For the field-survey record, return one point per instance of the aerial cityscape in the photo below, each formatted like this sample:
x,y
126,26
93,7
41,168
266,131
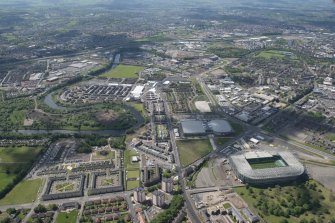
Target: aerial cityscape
x,y
167,111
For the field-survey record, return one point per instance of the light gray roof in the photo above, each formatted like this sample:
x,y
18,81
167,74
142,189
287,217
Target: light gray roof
x,y
293,168
158,193
193,127
220,126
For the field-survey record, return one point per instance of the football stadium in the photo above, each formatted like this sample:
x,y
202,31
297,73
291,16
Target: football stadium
x,y
266,167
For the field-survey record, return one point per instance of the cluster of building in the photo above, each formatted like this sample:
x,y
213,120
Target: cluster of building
x,y
158,196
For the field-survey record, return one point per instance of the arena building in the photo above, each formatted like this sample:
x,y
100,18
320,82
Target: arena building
x,y
266,167
191,127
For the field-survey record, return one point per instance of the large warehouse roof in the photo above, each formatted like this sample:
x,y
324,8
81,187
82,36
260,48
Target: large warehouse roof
x,y
219,126
216,126
193,127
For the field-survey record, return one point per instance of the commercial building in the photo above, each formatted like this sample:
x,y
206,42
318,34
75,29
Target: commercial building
x,y
137,92
266,167
158,198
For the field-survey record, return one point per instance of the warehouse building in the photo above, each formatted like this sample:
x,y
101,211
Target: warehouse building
x,y
191,127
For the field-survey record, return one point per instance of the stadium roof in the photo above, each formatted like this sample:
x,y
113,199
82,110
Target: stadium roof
x,y
293,168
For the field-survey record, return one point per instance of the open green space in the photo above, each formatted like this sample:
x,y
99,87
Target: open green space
x,y
268,54
13,111
85,117
65,187
6,179
140,108
133,174
191,150
124,71
65,217
330,136
226,50
106,182
132,184
302,201
127,156
103,155
17,117
14,161
22,154
25,192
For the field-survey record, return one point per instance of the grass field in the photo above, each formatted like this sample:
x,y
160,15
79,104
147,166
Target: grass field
x,y
132,168
24,192
98,156
127,156
139,107
268,54
192,150
64,217
6,179
65,187
330,136
13,160
282,198
264,165
107,182
133,174
21,154
132,184
124,71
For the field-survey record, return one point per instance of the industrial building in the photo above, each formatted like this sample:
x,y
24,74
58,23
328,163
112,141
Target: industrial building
x,y
266,167
191,127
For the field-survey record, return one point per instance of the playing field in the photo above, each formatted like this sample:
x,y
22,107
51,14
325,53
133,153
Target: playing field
x,y
132,184
23,193
133,174
124,71
192,150
64,217
268,54
266,163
